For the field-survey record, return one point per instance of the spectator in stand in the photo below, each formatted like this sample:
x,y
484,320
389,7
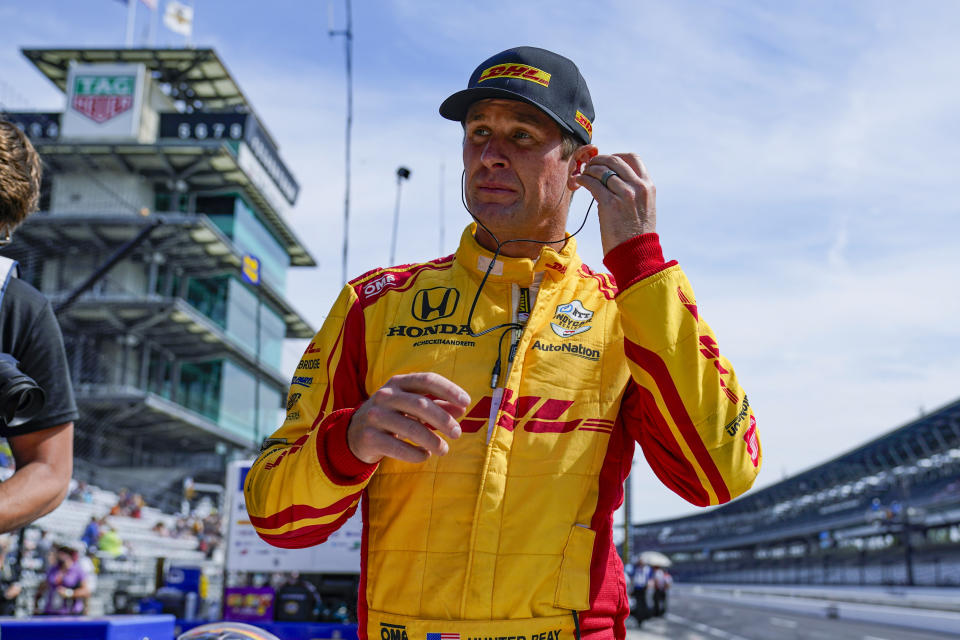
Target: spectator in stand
x,y
182,528
111,544
9,585
91,534
66,588
137,503
160,529
81,493
120,508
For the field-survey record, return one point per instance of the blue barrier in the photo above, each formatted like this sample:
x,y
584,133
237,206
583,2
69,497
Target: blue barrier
x,y
151,627
83,628
287,630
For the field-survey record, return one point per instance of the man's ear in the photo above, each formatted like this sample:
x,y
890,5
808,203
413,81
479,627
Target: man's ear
x,y
579,158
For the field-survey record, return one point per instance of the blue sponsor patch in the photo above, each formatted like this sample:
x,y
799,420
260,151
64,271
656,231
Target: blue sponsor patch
x,y
302,381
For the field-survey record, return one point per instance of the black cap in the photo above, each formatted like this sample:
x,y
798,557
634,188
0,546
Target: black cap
x,y
542,78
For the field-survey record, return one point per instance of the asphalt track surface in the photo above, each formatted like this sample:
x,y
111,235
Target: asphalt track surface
x,y
693,618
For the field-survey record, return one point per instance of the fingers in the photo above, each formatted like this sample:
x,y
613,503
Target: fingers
x,y
635,163
379,420
393,447
630,184
628,167
402,419
420,408
433,384
626,205
430,398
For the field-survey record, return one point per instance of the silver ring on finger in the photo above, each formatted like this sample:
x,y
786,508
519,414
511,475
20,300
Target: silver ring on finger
x,y
609,173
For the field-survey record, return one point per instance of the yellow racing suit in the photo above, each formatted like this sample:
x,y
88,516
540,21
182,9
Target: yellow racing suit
x,y
508,536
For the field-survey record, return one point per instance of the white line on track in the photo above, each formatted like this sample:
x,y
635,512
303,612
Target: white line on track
x,y
699,626
783,622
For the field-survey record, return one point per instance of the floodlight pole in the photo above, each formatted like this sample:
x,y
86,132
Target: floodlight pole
x,y
348,39
402,174
131,18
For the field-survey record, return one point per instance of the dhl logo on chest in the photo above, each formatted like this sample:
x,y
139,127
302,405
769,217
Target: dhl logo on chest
x,y
525,72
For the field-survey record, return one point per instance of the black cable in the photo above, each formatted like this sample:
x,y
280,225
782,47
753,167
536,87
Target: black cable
x,y
496,254
508,326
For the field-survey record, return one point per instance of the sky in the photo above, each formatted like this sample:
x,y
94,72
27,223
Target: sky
x,y
806,158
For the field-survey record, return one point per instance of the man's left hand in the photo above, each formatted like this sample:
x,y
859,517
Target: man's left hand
x,y
627,205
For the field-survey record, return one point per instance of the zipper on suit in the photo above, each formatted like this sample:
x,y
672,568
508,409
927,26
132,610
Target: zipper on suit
x,y
522,302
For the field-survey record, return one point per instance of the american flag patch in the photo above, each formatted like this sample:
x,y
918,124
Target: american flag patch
x,y
443,636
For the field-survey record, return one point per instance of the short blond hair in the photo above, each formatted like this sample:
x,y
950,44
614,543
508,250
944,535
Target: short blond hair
x,y
20,172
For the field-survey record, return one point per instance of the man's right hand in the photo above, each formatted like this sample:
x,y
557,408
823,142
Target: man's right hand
x,y
403,417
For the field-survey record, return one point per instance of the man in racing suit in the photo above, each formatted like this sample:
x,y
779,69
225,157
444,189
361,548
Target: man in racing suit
x,y
487,464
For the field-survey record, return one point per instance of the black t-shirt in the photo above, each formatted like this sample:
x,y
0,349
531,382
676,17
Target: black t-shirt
x,y
30,333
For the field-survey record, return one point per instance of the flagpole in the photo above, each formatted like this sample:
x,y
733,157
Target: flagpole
x,y
348,39
193,19
154,19
131,18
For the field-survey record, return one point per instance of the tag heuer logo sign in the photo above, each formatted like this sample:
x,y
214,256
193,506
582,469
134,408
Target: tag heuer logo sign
x,y
103,97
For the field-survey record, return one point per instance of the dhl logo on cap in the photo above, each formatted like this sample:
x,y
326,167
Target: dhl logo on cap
x,y
583,122
522,71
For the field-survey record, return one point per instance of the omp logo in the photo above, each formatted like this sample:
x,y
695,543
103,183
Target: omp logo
x,y
522,71
393,631
435,304
571,319
711,351
292,400
374,287
533,414
583,122
753,444
302,381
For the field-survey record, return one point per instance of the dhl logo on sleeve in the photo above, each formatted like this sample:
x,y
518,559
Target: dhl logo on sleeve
x,y
583,122
522,71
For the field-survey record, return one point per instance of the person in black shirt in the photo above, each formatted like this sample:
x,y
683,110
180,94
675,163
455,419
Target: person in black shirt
x,y
42,446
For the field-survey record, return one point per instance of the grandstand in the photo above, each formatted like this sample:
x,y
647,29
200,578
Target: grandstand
x,y
120,581
885,513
